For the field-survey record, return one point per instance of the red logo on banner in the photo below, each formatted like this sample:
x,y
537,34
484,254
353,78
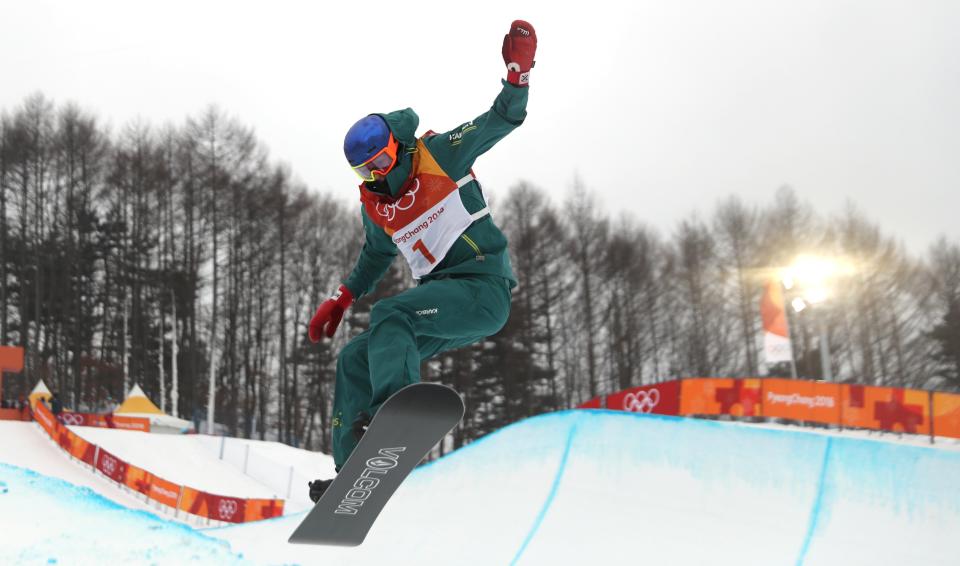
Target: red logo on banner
x,y
747,398
222,508
896,412
227,509
856,396
72,419
104,421
660,399
111,466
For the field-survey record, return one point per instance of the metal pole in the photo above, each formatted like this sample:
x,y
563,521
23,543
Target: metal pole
x,y
825,366
840,410
163,385
126,348
787,308
176,510
212,386
290,483
246,458
174,394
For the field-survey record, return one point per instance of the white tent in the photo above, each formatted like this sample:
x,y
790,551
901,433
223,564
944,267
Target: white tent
x,y
40,391
137,404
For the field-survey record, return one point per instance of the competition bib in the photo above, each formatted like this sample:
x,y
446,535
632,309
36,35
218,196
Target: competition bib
x,y
427,219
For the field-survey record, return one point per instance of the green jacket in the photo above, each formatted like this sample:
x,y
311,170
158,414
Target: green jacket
x,y
483,248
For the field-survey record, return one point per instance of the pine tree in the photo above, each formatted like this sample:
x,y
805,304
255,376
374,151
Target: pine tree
x,y
947,336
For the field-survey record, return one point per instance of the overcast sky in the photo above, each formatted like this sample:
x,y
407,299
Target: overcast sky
x,y
661,108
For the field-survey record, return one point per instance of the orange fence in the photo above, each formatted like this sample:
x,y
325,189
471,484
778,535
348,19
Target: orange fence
x,y
946,414
179,497
854,406
802,400
15,414
887,408
707,396
11,359
105,421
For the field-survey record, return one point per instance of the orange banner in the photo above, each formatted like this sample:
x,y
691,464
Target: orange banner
x,y
224,508
886,408
46,420
192,502
258,509
111,466
718,396
946,416
218,507
11,358
15,414
698,396
105,421
164,491
76,446
910,411
127,423
801,400
138,479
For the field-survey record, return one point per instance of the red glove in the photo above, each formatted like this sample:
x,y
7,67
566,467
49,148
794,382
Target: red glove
x,y
519,47
330,314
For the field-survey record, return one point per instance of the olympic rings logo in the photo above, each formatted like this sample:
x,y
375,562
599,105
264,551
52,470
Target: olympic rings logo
x,y
389,211
641,401
109,465
227,508
75,419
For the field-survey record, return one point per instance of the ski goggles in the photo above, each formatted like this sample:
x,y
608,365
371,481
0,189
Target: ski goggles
x,y
380,163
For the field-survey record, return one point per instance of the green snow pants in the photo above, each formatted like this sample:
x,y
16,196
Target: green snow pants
x,y
438,315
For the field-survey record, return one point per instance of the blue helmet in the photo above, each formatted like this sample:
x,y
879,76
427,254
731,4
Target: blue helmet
x,y
365,138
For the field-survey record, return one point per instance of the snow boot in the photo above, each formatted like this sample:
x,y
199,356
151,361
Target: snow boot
x,y
317,487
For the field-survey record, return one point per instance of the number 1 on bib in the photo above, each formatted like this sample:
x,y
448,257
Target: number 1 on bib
x,y
420,247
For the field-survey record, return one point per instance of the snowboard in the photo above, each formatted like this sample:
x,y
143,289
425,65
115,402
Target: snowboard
x,y
407,426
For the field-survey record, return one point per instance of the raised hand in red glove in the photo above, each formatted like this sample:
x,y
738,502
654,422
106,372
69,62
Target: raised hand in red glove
x,y
519,48
330,313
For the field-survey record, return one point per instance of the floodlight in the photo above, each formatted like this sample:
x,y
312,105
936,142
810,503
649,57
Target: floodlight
x,y
798,304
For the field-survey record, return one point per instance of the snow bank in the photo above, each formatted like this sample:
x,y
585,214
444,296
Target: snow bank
x,y
181,459
574,487
598,487
48,521
283,469
27,445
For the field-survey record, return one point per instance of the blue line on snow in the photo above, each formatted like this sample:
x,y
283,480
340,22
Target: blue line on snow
x,y
550,496
817,503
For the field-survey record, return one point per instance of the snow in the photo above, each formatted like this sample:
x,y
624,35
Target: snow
x,y
273,469
940,442
284,469
602,487
28,446
181,459
49,521
580,487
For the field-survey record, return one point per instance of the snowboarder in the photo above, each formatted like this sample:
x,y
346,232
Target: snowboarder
x,y
420,197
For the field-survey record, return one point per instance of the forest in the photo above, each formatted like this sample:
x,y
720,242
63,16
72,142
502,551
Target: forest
x,y
186,259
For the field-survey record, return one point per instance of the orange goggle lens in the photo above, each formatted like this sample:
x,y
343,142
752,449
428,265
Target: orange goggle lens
x,y
380,163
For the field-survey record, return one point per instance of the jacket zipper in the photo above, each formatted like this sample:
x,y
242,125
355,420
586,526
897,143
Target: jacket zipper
x,y
472,244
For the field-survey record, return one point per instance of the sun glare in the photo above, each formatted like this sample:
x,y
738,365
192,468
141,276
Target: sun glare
x,y
811,276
